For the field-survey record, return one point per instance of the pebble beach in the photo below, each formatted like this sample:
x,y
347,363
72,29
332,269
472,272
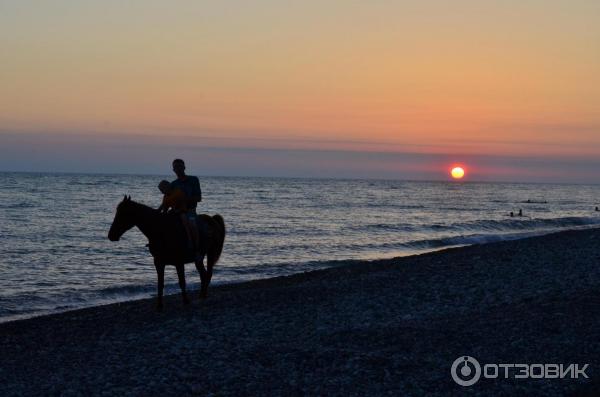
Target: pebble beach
x,y
382,327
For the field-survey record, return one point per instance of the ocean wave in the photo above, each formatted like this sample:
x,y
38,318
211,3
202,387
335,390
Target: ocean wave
x,y
19,205
516,224
471,239
484,225
105,182
386,227
125,290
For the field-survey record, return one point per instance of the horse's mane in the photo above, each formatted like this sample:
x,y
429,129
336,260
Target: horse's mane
x,y
139,207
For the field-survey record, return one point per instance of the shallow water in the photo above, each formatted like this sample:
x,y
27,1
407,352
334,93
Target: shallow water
x,y
54,253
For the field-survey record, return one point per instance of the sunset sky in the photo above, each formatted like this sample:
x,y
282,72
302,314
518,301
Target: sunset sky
x,y
384,89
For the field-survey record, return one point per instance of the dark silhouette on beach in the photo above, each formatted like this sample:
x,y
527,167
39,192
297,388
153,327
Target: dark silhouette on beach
x,y
512,214
168,242
597,209
176,234
189,186
520,212
175,201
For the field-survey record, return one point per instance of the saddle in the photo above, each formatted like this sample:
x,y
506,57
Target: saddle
x,y
205,236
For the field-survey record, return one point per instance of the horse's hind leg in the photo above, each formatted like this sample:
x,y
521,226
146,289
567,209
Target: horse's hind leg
x,y
181,277
160,272
202,272
210,262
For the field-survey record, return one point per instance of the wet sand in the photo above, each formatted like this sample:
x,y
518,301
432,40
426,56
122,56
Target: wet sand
x,y
388,327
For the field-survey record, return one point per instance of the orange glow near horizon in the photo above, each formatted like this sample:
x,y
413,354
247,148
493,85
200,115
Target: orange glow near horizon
x,y
419,77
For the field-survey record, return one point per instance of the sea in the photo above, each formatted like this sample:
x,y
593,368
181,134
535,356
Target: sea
x,y
55,255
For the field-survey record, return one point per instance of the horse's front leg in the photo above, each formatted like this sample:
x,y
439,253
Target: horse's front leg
x,y
181,277
160,272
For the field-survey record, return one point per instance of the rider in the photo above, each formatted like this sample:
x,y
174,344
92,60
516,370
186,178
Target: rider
x,y
176,201
190,185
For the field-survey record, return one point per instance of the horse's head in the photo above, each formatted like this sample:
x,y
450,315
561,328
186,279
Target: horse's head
x,y
123,219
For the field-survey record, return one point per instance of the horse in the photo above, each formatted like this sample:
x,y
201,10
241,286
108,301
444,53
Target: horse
x,y
168,242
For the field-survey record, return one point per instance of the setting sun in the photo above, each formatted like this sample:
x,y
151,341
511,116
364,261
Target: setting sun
x,y
457,172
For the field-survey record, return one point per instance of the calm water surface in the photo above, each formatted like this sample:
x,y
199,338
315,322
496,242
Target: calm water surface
x,y
54,253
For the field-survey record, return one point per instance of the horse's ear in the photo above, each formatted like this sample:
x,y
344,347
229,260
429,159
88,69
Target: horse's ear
x,y
124,197
128,198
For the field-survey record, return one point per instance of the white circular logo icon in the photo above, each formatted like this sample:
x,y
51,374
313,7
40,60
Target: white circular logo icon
x,y
465,371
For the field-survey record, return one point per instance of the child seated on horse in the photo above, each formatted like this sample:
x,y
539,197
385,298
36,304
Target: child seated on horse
x,y
175,199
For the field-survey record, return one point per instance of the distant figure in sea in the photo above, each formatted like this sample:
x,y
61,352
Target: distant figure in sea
x,y
176,201
520,212
512,214
597,209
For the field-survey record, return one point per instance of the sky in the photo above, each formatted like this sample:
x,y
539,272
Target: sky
x,y
379,89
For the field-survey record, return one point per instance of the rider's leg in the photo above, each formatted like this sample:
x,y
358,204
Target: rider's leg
x,y
188,229
194,234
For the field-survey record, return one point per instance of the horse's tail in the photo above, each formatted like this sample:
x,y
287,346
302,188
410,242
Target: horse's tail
x,y
220,238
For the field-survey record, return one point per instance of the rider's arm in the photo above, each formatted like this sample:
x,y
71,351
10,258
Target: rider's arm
x,y
196,195
164,206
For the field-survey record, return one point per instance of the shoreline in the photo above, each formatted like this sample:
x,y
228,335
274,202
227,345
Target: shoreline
x,y
366,327
331,264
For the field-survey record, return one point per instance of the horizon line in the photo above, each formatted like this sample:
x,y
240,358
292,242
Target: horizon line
x,y
3,171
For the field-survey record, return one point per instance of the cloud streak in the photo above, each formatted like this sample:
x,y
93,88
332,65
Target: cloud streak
x,y
139,155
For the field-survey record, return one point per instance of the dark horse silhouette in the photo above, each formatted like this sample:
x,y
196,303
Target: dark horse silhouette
x,y
168,241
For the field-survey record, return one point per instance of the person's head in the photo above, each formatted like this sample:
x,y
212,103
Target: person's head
x,y
164,187
179,167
